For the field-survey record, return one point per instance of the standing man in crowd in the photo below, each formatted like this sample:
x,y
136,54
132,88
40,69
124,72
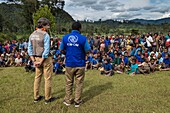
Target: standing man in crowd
x,y
75,46
38,50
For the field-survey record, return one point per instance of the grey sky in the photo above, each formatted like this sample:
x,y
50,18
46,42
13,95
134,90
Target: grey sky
x,y
117,9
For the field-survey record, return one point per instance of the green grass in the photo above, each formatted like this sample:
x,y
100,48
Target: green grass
x,y
117,94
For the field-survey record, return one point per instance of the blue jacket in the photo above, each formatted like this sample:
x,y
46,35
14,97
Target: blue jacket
x,y
75,46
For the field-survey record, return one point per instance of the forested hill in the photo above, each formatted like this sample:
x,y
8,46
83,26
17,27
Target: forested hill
x,y
159,21
18,18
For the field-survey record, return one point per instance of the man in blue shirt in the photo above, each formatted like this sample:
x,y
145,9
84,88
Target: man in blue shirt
x,y
75,46
38,50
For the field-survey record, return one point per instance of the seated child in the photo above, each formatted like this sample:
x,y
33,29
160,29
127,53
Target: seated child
x,y
138,57
2,61
144,67
116,60
107,69
134,68
59,67
29,66
126,59
120,68
166,63
18,61
94,63
88,61
153,65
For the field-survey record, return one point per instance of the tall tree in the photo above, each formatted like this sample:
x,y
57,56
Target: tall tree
x,y
44,11
1,22
29,7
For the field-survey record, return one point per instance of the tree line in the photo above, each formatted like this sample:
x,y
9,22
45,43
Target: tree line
x,y
20,16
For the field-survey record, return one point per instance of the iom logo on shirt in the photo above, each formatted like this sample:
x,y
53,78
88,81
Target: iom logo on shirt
x,y
72,40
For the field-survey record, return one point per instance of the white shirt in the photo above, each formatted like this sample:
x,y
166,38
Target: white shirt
x,y
18,60
148,41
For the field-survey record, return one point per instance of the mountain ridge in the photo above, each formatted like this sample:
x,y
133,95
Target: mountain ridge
x,y
158,21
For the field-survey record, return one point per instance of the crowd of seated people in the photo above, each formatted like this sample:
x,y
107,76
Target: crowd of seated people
x,y
132,54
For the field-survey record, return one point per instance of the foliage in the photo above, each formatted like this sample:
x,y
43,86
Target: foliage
x,y
29,7
11,20
115,27
101,94
44,11
12,36
9,36
17,16
134,31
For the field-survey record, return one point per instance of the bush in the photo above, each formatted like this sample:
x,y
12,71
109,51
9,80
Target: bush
x,y
12,36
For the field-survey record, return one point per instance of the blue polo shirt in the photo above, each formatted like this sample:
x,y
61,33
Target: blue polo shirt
x,y
166,61
94,61
75,46
107,42
107,66
126,60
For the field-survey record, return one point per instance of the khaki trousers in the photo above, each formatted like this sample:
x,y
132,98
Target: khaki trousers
x,y
79,74
46,69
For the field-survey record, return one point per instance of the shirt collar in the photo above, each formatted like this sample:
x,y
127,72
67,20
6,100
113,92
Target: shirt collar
x,y
75,31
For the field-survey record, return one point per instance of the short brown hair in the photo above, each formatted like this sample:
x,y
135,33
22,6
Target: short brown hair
x,y
43,22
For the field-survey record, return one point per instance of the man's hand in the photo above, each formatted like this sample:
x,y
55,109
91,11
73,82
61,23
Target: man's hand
x,y
37,64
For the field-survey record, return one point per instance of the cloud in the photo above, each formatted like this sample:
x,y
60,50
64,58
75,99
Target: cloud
x,y
98,7
128,15
142,8
116,10
134,3
166,15
115,4
161,10
106,1
149,7
134,9
112,9
94,4
85,3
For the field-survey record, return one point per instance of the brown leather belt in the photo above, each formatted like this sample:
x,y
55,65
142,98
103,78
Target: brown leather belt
x,y
37,56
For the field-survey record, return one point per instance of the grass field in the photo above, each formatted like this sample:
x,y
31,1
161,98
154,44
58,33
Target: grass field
x,y
117,94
